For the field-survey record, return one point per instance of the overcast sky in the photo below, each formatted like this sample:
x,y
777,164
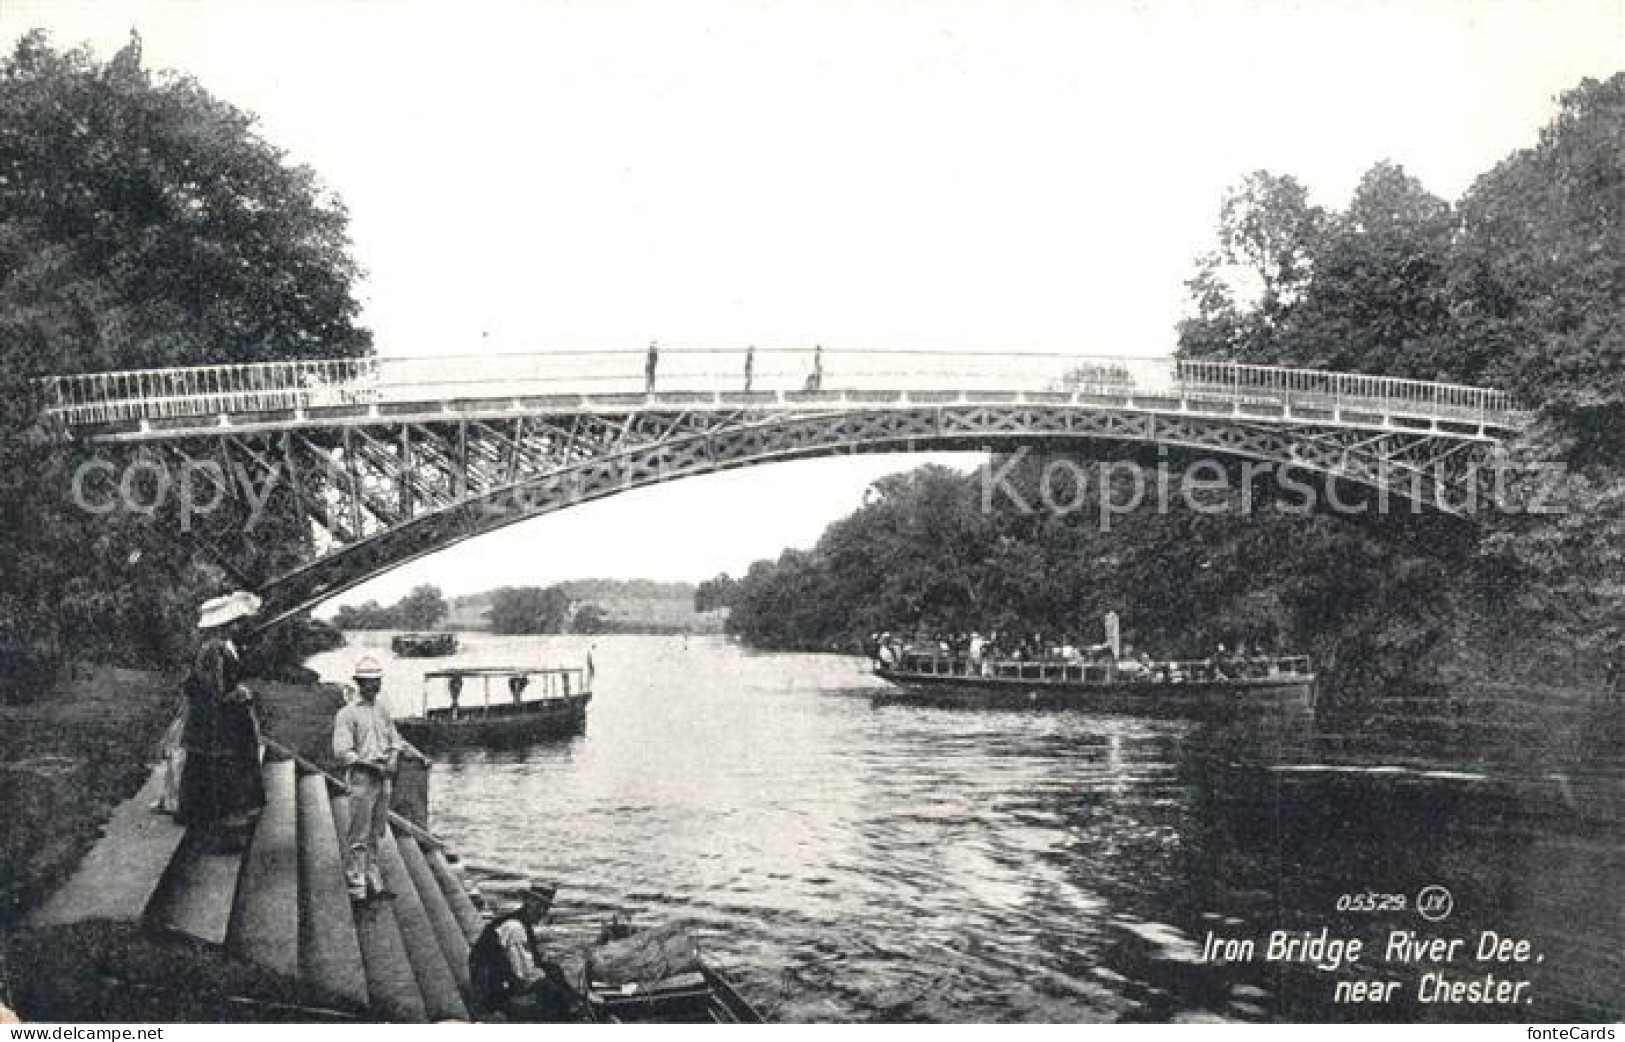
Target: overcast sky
x,y
529,176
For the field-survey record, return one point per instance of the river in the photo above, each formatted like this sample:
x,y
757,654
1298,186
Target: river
x,y
849,862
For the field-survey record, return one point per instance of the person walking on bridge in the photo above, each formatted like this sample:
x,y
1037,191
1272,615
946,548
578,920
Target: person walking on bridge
x,y
649,366
750,367
367,745
815,379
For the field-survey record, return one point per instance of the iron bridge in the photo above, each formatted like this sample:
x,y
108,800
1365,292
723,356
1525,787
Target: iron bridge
x,y
389,459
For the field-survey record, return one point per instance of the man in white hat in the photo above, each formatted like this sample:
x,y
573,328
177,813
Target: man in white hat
x,y
366,743
220,786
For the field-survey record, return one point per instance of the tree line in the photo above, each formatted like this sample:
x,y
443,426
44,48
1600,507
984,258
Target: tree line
x,y
1520,284
423,608
144,222
510,610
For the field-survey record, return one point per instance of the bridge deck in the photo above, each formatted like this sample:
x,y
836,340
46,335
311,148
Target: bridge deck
x,y
272,395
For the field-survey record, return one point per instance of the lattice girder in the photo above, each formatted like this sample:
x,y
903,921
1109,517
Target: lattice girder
x,y
379,493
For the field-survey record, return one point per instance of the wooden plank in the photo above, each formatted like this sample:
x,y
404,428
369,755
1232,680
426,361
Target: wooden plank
x,y
331,972
120,876
264,928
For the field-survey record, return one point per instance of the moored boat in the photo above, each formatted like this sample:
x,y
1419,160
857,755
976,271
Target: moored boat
x,y
424,645
658,976
525,703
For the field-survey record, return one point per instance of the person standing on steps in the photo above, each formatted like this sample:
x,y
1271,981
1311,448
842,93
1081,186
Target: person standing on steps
x,y
367,745
221,790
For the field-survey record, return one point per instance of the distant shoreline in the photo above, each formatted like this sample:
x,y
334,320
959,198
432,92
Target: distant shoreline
x,y
633,631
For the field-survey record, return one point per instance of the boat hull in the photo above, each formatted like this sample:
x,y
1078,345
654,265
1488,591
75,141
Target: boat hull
x,y
1219,698
437,646
500,725
714,1000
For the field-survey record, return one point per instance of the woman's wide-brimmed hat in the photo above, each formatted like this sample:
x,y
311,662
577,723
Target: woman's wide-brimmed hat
x,y
229,608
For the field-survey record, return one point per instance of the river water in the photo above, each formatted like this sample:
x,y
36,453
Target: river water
x,y
853,862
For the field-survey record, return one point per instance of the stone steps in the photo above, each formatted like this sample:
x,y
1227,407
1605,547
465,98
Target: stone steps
x,y
392,984
118,879
281,906
264,927
330,969
436,981
453,944
198,892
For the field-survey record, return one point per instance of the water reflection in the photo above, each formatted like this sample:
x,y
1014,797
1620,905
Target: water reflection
x,y
855,862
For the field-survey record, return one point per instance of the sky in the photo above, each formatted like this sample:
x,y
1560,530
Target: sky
x,y
965,174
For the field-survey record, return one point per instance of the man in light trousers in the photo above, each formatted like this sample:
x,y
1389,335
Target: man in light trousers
x,y
367,745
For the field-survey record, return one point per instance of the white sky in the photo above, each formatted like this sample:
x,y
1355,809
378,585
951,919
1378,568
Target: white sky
x,y
871,173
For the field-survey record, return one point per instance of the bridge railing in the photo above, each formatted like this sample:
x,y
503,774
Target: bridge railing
x,y
1304,386
794,375
210,390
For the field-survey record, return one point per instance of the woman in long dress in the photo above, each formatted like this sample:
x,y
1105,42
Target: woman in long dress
x,y
221,788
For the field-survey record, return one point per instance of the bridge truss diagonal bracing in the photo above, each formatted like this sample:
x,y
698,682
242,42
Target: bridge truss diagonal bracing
x,y
383,461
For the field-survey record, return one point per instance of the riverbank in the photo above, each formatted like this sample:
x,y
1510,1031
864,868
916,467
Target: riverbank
x,y
85,746
67,760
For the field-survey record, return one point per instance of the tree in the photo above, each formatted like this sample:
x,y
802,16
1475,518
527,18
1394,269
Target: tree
x,y
1377,301
422,609
368,616
1268,235
146,224
1538,284
716,593
529,609
590,618
143,223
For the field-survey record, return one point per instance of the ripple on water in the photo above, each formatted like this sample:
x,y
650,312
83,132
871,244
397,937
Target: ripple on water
x,y
858,863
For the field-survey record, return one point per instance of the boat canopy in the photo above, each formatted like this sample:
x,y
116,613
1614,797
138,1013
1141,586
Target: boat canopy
x,y
498,671
552,682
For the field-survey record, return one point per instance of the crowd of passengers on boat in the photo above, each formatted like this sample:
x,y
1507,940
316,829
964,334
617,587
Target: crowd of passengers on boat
x,y
1035,656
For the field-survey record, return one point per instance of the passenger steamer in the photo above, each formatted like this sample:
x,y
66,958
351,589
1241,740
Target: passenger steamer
x,y
1210,687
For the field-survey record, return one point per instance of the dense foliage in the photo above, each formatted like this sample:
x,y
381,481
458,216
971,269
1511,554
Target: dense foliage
x,y
422,609
529,609
1520,285
716,593
143,222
